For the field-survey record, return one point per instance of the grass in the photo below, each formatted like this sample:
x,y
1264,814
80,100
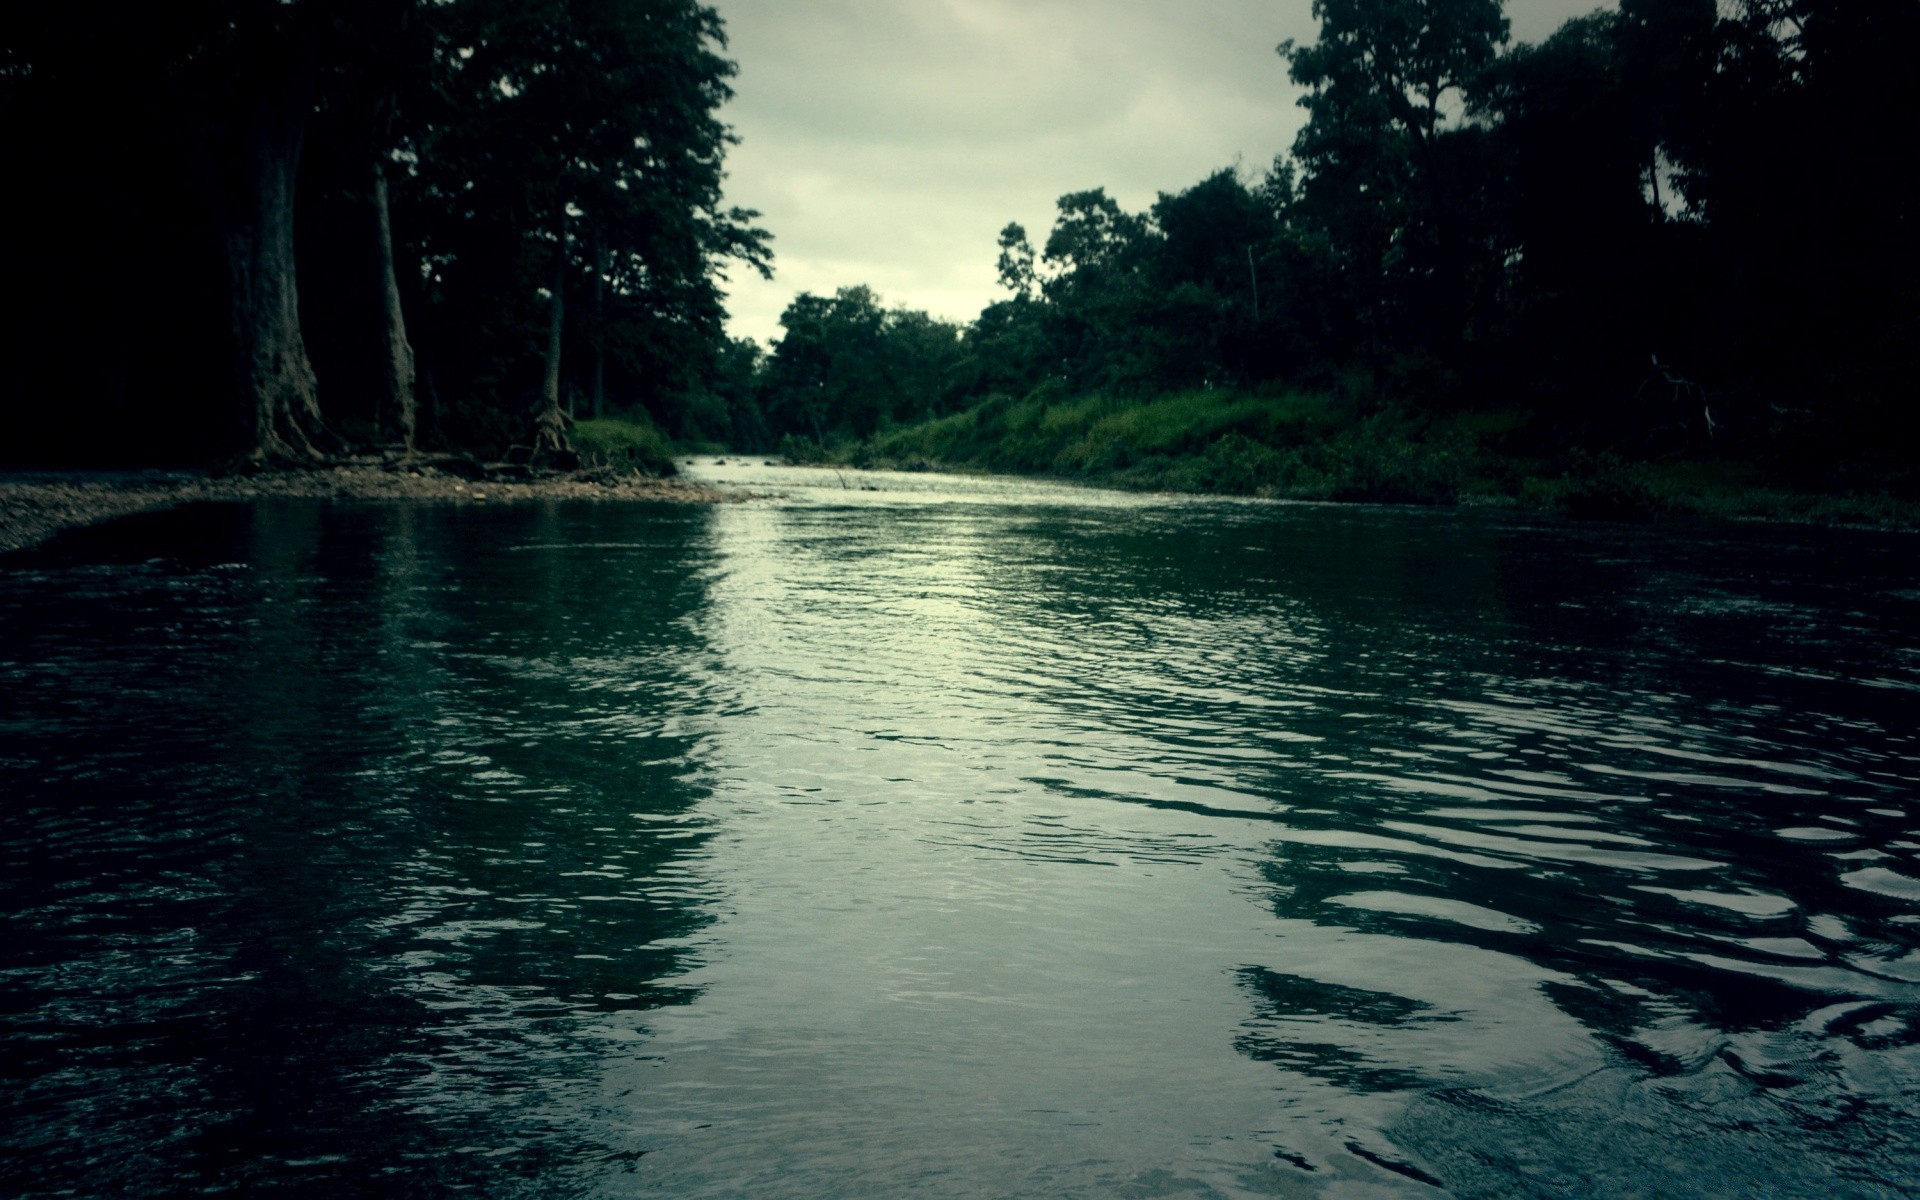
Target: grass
x,y
1291,445
1316,447
1722,490
626,443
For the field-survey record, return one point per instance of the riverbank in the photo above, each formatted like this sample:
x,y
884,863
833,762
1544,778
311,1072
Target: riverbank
x,y
1308,447
34,506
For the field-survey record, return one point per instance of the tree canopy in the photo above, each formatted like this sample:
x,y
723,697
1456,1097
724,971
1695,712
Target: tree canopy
x,y
420,192
1675,227
280,228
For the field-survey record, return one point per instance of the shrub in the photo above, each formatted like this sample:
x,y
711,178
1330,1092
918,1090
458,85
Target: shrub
x,y
625,444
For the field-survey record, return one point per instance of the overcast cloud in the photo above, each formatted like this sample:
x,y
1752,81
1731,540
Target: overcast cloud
x,y
886,142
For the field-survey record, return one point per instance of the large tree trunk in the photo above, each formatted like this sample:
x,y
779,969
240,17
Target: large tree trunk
x,y
550,423
396,416
279,397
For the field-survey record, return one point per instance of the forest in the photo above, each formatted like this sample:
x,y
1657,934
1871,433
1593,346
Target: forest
x,y
1668,245
271,233
1673,232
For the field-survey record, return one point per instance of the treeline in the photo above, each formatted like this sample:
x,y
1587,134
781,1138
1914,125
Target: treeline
x,y
1681,227
283,229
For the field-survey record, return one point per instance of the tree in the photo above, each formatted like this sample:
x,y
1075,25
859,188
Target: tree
x,y
589,130
1812,217
1093,242
1095,280
1578,168
1015,268
491,164
1214,237
848,366
250,164
1374,150
233,87
386,63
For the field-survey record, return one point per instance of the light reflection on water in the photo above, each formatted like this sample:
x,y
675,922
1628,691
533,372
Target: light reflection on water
x,y
958,838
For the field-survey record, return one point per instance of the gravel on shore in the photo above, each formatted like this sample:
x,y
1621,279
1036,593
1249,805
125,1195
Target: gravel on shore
x,y
36,505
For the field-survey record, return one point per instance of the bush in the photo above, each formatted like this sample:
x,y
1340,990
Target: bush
x,y
1294,445
1386,460
631,444
1599,487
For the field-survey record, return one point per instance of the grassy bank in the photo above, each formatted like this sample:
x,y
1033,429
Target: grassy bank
x,y
1313,447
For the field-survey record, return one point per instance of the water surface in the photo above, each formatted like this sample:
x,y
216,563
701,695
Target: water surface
x,y
907,835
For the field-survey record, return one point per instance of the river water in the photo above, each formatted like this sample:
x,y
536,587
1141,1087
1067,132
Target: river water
x,y
921,836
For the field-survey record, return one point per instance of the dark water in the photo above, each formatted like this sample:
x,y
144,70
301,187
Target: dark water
x,y
958,841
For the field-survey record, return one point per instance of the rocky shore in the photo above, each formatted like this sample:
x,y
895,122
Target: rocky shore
x,y
36,505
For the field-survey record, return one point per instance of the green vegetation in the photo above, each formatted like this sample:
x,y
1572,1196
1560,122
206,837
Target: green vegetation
x,y
1316,447
500,211
625,443
1573,275
1665,260
1291,445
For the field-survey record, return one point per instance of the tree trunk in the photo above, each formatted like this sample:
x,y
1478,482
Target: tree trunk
x,y
550,423
597,321
279,396
397,409
427,413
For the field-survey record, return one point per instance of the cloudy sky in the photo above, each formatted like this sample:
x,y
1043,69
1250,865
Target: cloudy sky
x,y
886,142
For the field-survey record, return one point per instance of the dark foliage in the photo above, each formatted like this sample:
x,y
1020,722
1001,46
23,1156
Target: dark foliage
x,y
499,202
1676,229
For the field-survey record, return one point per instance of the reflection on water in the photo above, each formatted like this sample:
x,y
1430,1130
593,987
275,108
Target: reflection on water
x,y
958,838
336,852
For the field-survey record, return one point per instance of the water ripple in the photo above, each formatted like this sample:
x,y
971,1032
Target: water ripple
x,y
948,842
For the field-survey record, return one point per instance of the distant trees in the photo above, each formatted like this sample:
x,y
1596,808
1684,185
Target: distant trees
x,y
480,162
456,222
1701,191
847,367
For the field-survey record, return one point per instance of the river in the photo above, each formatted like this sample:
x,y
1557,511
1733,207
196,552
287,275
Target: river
x,y
912,835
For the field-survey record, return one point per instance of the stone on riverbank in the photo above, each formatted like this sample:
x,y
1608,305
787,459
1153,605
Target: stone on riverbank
x,y
35,506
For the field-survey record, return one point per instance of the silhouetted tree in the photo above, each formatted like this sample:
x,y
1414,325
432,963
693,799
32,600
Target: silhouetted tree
x,y
592,126
1378,178
480,160
848,366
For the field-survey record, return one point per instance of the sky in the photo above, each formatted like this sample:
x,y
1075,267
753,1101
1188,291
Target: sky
x,y
887,142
